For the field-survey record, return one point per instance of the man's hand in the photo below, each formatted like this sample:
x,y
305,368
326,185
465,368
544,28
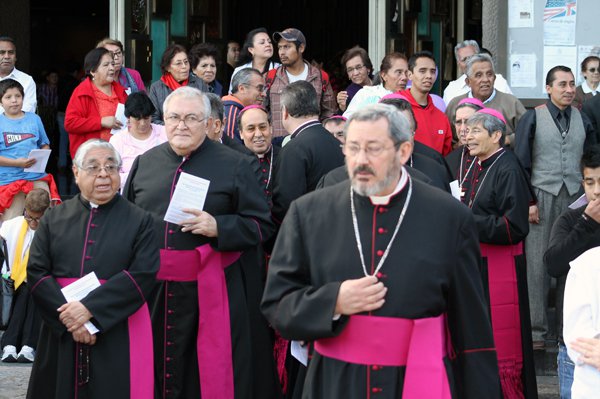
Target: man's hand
x,y
203,224
83,336
592,210
589,349
360,295
534,215
74,315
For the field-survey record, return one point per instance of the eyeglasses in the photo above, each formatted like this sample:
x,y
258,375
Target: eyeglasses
x,y
188,120
94,170
29,218
593,70
117,53
371,151
260,88
356,68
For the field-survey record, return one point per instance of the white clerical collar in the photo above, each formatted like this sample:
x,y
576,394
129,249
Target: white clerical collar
x,y
385,199
93,205
587,89
490,98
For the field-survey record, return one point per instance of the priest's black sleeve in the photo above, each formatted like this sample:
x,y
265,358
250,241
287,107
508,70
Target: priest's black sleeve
x,y
524,136
292,305
572,235
291,181
475,364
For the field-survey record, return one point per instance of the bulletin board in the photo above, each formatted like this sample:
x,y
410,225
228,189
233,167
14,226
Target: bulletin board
x,y
544,33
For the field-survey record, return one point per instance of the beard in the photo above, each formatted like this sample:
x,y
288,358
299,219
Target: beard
x,y
392,175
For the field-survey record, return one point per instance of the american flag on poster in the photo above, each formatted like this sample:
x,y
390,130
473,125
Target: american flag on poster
x,y
559,8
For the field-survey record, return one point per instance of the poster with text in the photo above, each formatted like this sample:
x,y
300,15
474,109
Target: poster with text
x,y
560,22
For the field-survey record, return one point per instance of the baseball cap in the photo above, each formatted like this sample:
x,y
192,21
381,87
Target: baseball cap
x,y
291,35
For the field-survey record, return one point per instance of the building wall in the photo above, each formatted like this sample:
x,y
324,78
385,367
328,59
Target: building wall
x,y
15,22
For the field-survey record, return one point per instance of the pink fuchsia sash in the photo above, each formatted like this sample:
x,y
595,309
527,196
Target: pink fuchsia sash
x,y
141,354
506,317
206,266
418,344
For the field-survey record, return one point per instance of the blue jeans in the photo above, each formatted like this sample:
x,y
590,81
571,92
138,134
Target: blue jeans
x,y
565,372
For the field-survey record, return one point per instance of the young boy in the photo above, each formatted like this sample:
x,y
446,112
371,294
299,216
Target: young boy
x,y
24,326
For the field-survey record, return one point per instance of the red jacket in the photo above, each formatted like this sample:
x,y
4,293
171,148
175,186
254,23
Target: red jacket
x,y
433,126
82,119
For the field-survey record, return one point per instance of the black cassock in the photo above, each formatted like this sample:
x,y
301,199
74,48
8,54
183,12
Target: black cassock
x,y
431,270
116,241
239,206
498,194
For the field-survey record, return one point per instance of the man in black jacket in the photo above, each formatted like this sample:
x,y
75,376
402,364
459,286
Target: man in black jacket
x,y
574,232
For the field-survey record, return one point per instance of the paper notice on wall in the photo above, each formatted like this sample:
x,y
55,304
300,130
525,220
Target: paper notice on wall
x,y
558,55
520,13
523,69
560,22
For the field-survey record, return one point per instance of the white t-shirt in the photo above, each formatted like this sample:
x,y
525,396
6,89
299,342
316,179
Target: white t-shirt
x,y
10,230
295,78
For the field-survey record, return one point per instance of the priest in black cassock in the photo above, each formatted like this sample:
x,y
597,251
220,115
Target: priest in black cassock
x,y
97,231
498,195
381,273
199,310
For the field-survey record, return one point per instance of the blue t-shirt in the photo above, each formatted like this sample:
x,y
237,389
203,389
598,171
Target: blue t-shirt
x,y
19,137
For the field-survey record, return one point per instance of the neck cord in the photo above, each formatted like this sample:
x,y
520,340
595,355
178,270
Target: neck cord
x,y
483,180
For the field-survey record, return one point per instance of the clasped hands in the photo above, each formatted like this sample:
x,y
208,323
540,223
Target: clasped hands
x,y
360,295
74,315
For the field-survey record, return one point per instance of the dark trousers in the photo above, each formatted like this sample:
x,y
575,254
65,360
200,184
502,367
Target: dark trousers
x,y
24,325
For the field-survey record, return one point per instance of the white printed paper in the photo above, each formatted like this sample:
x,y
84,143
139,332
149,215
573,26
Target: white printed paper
x,y
120,115
560,22
190,192
455,189
78,290
300,352
523,70
520,14
558,55
579,202
41,160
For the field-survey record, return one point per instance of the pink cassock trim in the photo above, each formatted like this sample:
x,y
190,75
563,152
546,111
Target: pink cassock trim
x,y
141,352
206,266
418,344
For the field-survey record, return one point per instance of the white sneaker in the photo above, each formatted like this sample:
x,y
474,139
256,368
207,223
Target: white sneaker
x,y
26,355
9,354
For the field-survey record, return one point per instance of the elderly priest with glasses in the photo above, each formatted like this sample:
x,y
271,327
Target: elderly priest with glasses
x,y
381,274
97,345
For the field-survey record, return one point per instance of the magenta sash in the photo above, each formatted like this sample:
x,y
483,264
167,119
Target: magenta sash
x,y
206,266
506,317
418,344
141,352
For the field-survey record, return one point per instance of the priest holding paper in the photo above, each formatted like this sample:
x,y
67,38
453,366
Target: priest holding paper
x,y
92,264
199,309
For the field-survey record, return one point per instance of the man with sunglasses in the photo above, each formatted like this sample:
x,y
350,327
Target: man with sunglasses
x,y
247,88
24,326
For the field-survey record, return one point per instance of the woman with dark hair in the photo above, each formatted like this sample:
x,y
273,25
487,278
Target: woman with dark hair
x,y
139,135
203,59
93,105
257,53
393,78
357,64
590,69
175,68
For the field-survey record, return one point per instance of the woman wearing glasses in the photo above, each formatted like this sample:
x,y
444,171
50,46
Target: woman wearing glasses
x,y
129,78
590,69
358,66
175,67
93,105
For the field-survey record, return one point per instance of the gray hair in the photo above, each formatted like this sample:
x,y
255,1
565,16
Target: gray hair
x,y
216,106
399,127
466,43
489,122
188,92
93,144
243,77
475,58
300,99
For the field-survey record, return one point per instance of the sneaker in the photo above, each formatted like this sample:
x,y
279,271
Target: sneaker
x,y
9,354
26,355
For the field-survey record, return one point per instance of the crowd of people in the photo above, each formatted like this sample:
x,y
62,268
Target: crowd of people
x,y
263,233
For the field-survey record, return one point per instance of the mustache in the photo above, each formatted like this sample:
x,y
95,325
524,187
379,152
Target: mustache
x,y
362,168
